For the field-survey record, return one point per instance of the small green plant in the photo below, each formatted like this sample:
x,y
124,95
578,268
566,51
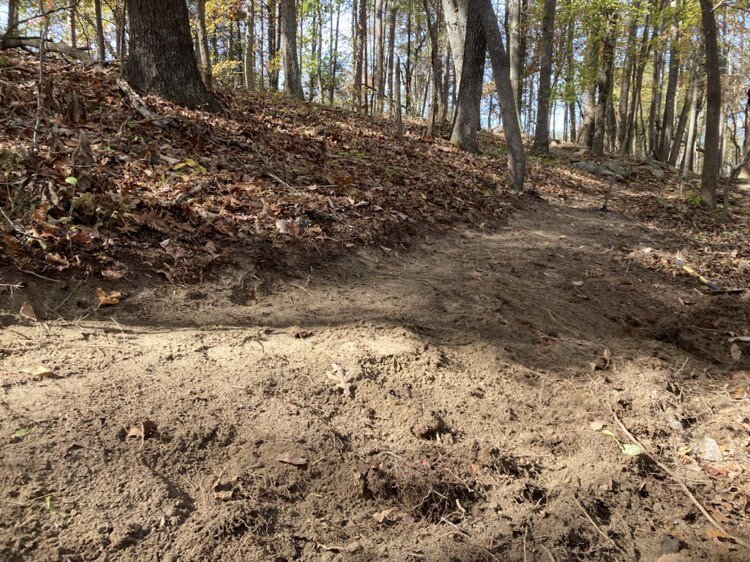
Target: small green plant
x,y
629,449
693,199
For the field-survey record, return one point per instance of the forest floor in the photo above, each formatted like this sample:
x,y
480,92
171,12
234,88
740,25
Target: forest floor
x,y
458,387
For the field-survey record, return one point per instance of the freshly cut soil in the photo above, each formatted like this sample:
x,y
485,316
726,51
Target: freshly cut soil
x,y
200,422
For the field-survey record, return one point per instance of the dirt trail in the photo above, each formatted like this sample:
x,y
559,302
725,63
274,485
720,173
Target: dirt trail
x,y
468,435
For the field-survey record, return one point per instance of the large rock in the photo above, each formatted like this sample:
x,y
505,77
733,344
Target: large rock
x,y
603,170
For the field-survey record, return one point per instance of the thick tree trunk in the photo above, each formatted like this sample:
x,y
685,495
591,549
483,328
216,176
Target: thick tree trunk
x,y
505,94
162,60
11,30
204,58
541,135
292,74
711,149
101,51
473,47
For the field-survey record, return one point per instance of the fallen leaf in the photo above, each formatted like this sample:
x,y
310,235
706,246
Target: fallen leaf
x,y
27,311
23,432
735,351
577,283
110,299
715,534
287,458
386,516
738,375
738,393
112,275
39,371
597,425
602,362
343,379
631,449
144,430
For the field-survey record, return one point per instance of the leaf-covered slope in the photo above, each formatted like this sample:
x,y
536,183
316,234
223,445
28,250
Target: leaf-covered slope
x,y
104,179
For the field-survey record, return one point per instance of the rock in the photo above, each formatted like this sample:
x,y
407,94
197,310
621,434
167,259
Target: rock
x,y
708,450
599,170
658,173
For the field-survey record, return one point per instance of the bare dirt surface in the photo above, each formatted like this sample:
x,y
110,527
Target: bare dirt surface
x,y
203,422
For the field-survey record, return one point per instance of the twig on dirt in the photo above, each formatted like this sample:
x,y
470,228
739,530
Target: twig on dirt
x,y
70,294
547,552
679,482
597,527
39,275
458,531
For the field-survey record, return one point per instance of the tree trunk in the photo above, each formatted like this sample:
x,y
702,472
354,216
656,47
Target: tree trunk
x,y
692,132
473,47
292,74
273,60
627,74
391,53
11,30
162,60
204,58
505,94
711,149
589,97
249,62
674,151
100,30
359,53
334,59
604,86
437,68
667,126
541,135
570,86
514,31
73,30
378,74
656,97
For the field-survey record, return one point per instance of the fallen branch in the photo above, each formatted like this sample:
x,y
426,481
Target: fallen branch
x,y
680,483
139,105
52,46
597,527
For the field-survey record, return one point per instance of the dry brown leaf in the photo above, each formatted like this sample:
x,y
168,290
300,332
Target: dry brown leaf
x,y
738,393
39,371
144,430
27,311
602,362
112,274
110,299
735,351
342,377
288,458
